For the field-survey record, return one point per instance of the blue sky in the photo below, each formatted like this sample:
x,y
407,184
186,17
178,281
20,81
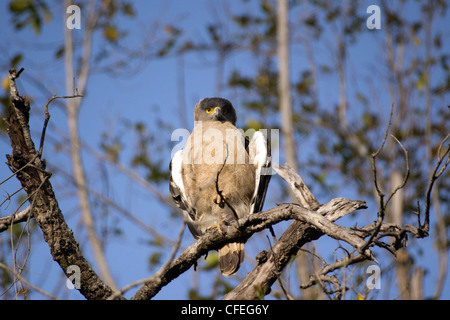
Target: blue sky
x,y
139,97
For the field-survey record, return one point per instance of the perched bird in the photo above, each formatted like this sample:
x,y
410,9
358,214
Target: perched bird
x,y
219,175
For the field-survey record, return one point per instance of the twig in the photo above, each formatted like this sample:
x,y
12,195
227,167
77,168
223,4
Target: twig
x,y
381,203
9,197
29,163
435,175
163,269
391,112
19,72
219,192
13,75
286,294
405,179
121,210
17,275
16,217
374,167
314,254
313,279
47,117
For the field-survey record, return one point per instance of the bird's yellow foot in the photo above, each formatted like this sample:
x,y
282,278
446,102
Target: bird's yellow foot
x,y
219,200
217,226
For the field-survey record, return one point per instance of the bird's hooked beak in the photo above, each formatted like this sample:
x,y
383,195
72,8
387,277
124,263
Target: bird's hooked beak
x,y
217,112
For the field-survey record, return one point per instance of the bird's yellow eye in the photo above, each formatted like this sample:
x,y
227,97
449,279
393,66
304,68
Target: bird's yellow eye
x,y
224,111
209,110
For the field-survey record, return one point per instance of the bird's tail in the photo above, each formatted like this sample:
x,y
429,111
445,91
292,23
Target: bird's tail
x,y
231,257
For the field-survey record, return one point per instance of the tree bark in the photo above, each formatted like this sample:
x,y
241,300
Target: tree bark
x,y
30,171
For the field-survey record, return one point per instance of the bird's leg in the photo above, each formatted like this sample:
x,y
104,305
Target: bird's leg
x,y
219,199
216,225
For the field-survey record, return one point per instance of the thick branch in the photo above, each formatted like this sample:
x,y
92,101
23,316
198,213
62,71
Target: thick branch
x,y
310,226
312,223
300,190
30,171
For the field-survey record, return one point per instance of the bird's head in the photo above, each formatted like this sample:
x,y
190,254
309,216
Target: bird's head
x,y
216,109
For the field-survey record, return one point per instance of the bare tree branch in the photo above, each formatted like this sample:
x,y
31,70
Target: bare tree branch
x,y
16,217
158,274
245,227
18,276
30,171
47,117
434,176
257,283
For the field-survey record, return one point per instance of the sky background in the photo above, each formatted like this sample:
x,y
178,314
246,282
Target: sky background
x,y
151,94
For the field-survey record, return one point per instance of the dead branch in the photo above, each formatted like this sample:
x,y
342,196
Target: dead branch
x,y
157,275
434,176
245,227
47,117
30,171
17,275
16,217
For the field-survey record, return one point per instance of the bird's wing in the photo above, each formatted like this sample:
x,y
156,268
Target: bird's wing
x,y
176,185
260,155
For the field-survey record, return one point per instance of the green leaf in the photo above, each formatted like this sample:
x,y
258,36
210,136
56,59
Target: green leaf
x,y
155,258
29,13
322,148
128,10
158,242
35,22
16,60
422,81
243,20
111,33
19,5
265,6
60,52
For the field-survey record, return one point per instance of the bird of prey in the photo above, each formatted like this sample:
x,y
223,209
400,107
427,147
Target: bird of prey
x,y
219,175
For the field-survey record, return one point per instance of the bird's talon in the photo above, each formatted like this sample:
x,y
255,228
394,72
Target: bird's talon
x,y
217,225
219,200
